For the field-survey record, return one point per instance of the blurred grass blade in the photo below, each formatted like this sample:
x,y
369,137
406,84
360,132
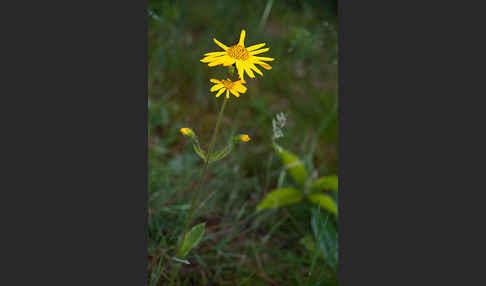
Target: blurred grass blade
x,y
220,155
327,237
325,183
192,239
293,164
181,260
266,12
325,201
280,197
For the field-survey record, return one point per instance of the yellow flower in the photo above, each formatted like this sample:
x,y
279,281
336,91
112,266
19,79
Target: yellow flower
x,y
235,87
244,138
187,132
244,57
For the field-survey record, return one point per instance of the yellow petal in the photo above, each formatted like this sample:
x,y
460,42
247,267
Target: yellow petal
x,y
234,92
223,59
241,88
259,51
215,54
221,45
215,63
253,67
242,38
209,60
263,59
228,61
206,60
212,58
255,47
220,92
227,93
249,72
214,80
216,87
241,70
264,65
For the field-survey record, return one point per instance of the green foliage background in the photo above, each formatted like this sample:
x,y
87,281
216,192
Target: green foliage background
x,y
240,247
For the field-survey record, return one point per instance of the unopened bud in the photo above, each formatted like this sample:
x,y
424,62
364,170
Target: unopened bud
x,y
244,138
187,132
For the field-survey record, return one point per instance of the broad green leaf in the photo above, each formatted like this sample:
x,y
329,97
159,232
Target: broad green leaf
x,y
199,151
221,154
293,164
325,183
325,201
280,197
192,239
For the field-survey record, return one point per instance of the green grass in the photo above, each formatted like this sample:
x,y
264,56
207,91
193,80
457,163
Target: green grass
x,y
240,247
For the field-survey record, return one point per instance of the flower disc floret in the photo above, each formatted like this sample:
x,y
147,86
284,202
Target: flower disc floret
x,y
238,52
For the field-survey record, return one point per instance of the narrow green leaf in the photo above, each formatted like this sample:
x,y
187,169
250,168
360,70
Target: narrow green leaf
x,y
280,197
325,183
293,164
199,152
192,239
221,154
325,201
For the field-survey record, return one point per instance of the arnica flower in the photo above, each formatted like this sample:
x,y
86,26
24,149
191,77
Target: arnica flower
x,y
244,138
235,87
187,132
244,57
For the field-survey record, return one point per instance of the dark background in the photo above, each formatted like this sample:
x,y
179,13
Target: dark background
x,y
74,143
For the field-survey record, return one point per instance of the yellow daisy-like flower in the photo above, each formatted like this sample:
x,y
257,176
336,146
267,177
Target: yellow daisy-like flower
x,y
235,87
243,57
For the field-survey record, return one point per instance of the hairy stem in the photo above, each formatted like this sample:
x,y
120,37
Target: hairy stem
x,y
175,269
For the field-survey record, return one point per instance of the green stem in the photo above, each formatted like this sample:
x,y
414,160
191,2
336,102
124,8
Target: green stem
x,y
175,269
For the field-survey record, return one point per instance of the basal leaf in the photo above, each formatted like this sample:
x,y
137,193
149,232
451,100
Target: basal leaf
x,y
280,197
325,201
192,239
325,183
293,164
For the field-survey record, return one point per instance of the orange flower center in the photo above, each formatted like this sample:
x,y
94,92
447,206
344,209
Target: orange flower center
x,y
238,52
228,83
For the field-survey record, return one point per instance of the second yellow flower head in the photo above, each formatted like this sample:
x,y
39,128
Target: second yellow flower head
x,y
233,87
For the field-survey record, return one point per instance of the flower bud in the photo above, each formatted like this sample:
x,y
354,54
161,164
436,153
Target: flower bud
x,y
244,138
187,132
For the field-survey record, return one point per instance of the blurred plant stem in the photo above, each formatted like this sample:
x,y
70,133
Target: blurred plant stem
x,y
175,269
266,12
